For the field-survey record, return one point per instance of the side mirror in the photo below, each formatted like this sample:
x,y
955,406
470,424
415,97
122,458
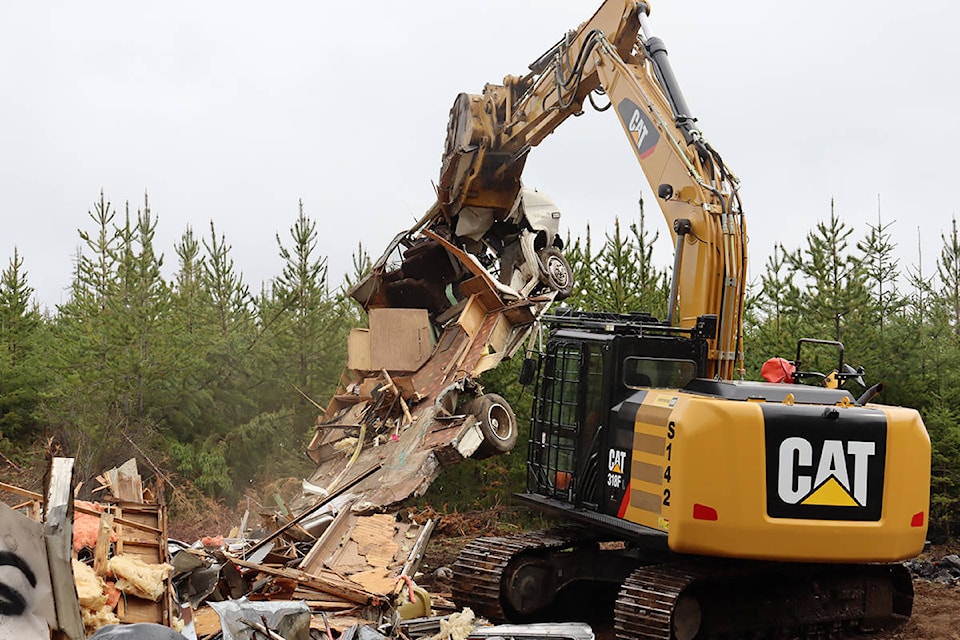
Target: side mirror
x,y
528,371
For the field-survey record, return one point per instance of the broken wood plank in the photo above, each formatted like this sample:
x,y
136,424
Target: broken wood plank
x,y
101,554
309,512
21,492
315,559
125,482
374,536
119,520
419,548
326,605
326,583
58,535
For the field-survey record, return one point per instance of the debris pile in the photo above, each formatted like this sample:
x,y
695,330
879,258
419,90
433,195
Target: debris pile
x,y
355,569
946,570
342,556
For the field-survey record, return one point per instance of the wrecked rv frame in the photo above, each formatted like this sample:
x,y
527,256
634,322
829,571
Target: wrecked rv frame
x,y
440,314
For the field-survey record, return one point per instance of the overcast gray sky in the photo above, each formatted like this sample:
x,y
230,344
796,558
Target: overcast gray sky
x,y
233,111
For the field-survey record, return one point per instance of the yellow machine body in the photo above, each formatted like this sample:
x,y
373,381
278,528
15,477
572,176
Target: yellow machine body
x,y
726,477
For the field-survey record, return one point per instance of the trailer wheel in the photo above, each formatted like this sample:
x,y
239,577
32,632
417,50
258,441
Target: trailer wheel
x,y
497,423
555,272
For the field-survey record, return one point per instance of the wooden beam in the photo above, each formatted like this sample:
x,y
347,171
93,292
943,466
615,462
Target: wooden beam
x,y
82,509
327,584
303,516
101,554
58,535
22,492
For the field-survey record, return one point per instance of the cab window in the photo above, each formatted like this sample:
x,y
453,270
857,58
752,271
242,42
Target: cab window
x,y
639,373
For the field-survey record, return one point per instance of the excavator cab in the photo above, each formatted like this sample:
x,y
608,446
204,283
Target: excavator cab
x,y
592,371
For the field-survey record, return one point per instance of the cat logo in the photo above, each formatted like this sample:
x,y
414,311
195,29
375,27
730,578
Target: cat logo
x,y
824,469
639,127
834,483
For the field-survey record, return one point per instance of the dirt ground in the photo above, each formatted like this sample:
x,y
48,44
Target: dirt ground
x,y
936,607
936,614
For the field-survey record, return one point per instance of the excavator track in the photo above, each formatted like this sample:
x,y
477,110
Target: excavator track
x,y
480,567
707,599
644,609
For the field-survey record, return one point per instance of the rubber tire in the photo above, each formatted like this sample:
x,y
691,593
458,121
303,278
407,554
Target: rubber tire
x,y
555,272
497,422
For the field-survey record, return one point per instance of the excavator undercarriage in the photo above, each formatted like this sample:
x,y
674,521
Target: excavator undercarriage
x,y
659,595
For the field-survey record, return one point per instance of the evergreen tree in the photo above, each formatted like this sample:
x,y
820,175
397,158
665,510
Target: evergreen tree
x,y
350,309
21,380
219,394
230,296
948,270
84,409
882,272
192,331
306,323
773,316
621,277
142,304
832,290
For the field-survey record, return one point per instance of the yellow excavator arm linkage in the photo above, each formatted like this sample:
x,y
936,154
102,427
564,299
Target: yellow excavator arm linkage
x,y
613,53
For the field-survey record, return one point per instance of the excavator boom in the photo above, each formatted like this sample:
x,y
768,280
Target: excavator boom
x,y
489,137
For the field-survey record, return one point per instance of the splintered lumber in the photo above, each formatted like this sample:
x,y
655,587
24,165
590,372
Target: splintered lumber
x,y
124,521
22,492
102,552
419,548
303,516
58,535
332,585
326,605
90,512
125,483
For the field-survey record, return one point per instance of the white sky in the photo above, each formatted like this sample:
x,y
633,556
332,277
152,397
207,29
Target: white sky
x,y
233,111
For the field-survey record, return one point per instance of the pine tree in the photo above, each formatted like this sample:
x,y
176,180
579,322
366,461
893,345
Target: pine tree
x,y
948,270
84,408
230,296
832,287
881,271
773,316
303,318
141,304
20,375
621,277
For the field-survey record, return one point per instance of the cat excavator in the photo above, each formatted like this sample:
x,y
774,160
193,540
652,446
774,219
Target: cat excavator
x,y
711,506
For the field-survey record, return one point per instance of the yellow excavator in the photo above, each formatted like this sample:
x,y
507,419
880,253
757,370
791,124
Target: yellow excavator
x,y
711,506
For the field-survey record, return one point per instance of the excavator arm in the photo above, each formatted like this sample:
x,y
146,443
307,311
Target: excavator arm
x,y
614,53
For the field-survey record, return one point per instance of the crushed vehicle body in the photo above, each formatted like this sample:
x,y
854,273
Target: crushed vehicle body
x,y
447,301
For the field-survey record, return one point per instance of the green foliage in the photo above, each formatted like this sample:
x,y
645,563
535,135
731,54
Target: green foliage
x,y
205,465
195,366
21,379
209,377
302,319
621,276
943,425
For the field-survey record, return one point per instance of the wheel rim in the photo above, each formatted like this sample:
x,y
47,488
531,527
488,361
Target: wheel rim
x,y
558,272
499,421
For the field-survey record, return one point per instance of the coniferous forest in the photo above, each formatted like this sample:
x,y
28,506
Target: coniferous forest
x,y
214,386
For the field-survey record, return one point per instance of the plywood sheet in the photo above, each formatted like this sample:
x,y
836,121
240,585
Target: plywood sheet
x,y
400,339
374,536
